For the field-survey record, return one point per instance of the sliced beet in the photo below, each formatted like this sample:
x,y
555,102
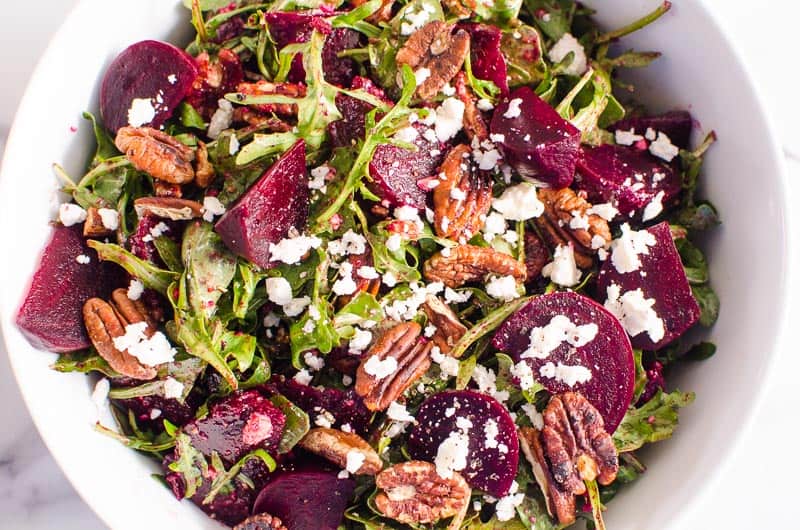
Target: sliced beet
x,y
493,453
237,425
351,127
143,407
537,141
290,28
306,500
608,355
340,70
51,316
148,70
277,202
395,171
628,177
661,277
677,124
486,57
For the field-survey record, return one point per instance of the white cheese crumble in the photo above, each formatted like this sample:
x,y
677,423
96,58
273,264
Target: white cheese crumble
x,y
626,137
318,176
563,270
393,242
350,243
457,194
421,75
506,507
155,414
212,207
523,372
271,320
173,389
157,231
150,351
279,291
367,272
635,312
490,432
449,119
537,420
413,19
654,207
452,454
484,105
109,218
519,202
303,377
83,259
605,210
381,369
292,249
502,288
454,297
448,365
513,110
221,119
360,341
295,306
135,289
494,225
398,412
71,214
407,134
233,145
354,460
141,112
566,44
626,250
314,362
172,79
579,221
662,147
486,379
569,375
545,339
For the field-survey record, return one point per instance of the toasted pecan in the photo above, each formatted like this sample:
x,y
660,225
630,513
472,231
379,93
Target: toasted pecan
x,y
462,197
335,445
157,153
435,47
469,263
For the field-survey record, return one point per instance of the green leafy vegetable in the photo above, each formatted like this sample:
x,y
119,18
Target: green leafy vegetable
x,y
151,276
297,423
209,267
652,422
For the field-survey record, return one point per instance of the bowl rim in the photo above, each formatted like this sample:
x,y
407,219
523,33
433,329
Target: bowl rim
x,y
774,351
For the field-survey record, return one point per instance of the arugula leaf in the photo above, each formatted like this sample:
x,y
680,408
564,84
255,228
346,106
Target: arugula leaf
x,y
191,332
223,480
519,46
694,263
209,267
553,17
85,361
533,514
136,442
151,276
489,323
297,423
190,118
105,144
640,377
185,372
240,346
363,307
597,506
499,12
709,304
322,336
636,25
355,19
208,5
191,464
652,422
245,283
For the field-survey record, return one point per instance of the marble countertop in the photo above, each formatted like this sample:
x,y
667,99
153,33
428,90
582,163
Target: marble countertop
x,y
755,492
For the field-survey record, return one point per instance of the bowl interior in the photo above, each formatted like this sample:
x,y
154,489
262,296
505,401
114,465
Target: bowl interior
x,y
747,254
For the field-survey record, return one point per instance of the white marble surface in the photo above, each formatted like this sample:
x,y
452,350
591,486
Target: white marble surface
x,y
757,489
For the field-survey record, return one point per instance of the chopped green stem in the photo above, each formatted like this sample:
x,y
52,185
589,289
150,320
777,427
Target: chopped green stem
x,y
597,506
216,21
109,165
133,443
489,323
199,22
635,25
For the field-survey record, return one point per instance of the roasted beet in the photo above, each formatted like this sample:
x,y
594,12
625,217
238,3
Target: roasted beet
x,y
306,500
147,228
351,127
144,408
289,28
486,58
655,382
677,124
277,202
340,70
605,352
395,171
660,277
51,315
218,76
237,425
628,177
537,141
146,81
493,454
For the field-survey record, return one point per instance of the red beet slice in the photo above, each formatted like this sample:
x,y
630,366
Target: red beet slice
x,y
662,278
608,356
486,58
351,127
677,124
493,453
306,500
51,315
290,28
627,177
395,171
537,141
277,202
150,70
340,70
237,425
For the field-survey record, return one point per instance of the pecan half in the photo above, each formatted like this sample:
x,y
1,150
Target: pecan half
x,y
536,255
474,124
434,46
262,521
461,8
262,88
572,447
565,221
168,208
156,153
414,493
93,226
462,198
449,328
204,173
412,355
165,189
468,263
105,322
335,445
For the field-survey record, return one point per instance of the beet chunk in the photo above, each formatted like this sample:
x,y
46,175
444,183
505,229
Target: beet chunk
x,y
306,500
677,124
154,71
493,453
290,28
277,202
51,316
607,355
237,425
395,171
486,57
537,141
340,70
660,277
351,127
628,177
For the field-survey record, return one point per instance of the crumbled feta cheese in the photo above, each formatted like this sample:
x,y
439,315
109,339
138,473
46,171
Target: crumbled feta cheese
x,y
569,375
367,272
155,414
407,134
490,431
519,203
295,306
579,221
421,75
502,288
172,79
429,331
135,289
513,110
393,242
494,225
506,507
221,119
560,329
212,207
522,371
398,412
279,291
355,459
271,320
625,251
635,312
350,243
314,362
292,249
447,365
452,454
454,297
71,214
626,137
497,138
486,379
598,242
406,213
389,279
109,218
534,415
173,389
485,105
605,210
308,327
233,145
361,340
413,19
650,134
449,119
303,377
150,351
318,176
381,369
487,159
563,270
457,194
141,112
662,147
83,259
654,207
566,44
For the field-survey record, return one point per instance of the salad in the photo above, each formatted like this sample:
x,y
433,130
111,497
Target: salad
x,y
381,264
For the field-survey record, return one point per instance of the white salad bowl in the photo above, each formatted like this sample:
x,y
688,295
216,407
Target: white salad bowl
x,y
748,254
